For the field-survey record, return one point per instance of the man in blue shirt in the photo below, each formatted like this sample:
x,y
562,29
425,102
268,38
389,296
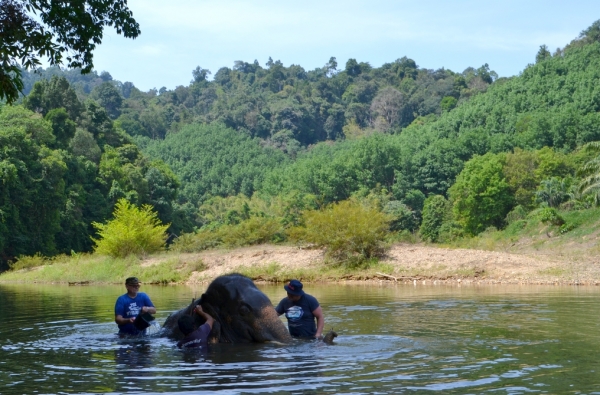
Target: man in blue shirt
x,y
130,305
301,309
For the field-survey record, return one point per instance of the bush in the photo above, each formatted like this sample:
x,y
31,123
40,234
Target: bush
x,y
28,262
254,230
518,213
133,230
436,210
402,217
450,231
195,242
348,230
548,214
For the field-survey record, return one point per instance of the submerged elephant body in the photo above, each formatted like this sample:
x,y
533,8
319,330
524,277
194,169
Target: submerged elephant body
x,y
242,313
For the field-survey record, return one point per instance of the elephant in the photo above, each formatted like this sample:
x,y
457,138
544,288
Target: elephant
x,y
242,313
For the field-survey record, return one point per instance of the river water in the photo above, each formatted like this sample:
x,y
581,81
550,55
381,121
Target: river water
x,y
393,339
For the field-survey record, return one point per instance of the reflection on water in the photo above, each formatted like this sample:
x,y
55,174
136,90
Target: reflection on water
x,y
392,339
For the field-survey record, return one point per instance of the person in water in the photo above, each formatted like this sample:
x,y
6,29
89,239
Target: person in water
x,y
130,305
195,337
301,309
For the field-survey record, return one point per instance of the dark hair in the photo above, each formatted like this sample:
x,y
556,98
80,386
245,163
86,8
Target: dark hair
x,y
186,324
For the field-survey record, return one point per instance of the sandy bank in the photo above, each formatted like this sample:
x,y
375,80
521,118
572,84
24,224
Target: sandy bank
x,y
417,263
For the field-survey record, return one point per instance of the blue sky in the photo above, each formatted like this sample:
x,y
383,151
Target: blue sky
x,y
179,35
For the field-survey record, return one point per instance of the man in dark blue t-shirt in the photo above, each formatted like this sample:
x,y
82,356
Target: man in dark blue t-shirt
x,y
301,309
195,337
130,305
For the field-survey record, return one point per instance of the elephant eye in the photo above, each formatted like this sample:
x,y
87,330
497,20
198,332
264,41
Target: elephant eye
x,y
245,309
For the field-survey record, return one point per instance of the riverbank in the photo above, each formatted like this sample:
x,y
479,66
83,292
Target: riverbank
x,y
521,263
403,263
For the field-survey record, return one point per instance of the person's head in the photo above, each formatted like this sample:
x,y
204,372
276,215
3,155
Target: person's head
x,y
294,290
186,324
133,285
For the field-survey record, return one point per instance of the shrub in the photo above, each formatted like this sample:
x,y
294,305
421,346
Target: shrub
x,y
402,217
553,191
450,231
548,214
436,210
564,228
348,230
195,242
133,230
255,230
28,262
518,213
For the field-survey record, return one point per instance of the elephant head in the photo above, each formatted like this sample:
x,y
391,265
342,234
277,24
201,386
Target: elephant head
x,y
242,313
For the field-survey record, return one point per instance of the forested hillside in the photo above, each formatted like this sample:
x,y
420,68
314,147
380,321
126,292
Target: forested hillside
x,y
63,165
288,107
242,157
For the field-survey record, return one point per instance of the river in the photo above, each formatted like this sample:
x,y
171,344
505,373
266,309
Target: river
x,y
393,339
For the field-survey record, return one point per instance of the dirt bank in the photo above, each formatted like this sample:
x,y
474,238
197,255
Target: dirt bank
x,y
416,263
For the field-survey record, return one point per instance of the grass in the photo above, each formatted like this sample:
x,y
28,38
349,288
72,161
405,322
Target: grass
x,y
553,272
531,234
103,269
522,236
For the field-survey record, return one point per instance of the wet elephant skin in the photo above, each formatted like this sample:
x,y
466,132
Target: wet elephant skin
x,y
242,313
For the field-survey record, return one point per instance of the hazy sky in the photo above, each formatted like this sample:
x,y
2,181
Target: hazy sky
x,y
178,35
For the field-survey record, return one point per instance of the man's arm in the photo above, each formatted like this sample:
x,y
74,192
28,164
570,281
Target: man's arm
x,y
318,313
150,306
122,321
209,320
149,309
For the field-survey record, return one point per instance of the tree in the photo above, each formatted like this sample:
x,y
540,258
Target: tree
x,y
543,54
553,191
200,74
331,66
386,109
352,67
590,174
34,29
436,210
591,34
56,93
109,97
481,197
133,230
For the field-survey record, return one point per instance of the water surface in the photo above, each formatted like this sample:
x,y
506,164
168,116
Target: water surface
x,y
397,339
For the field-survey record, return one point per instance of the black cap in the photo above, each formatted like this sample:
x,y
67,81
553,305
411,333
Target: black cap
x,y
132,281
294,287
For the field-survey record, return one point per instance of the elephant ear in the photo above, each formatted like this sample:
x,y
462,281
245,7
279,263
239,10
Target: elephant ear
x,y
190,309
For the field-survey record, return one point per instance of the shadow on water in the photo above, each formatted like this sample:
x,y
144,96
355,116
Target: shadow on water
x,y
392,340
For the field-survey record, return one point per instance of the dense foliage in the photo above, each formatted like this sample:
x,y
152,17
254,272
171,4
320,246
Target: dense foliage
x,y
289,107
350,231
258,148
212,160
63,167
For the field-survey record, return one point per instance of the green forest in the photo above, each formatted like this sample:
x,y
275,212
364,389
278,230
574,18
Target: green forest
x,y
253,153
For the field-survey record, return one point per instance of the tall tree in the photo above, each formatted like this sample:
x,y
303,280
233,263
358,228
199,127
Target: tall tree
x,y
32,29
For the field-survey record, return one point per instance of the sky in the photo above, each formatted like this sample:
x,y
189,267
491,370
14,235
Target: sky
x,y
179,35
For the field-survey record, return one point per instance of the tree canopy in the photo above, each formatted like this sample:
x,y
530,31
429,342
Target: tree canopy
x,y
56,30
